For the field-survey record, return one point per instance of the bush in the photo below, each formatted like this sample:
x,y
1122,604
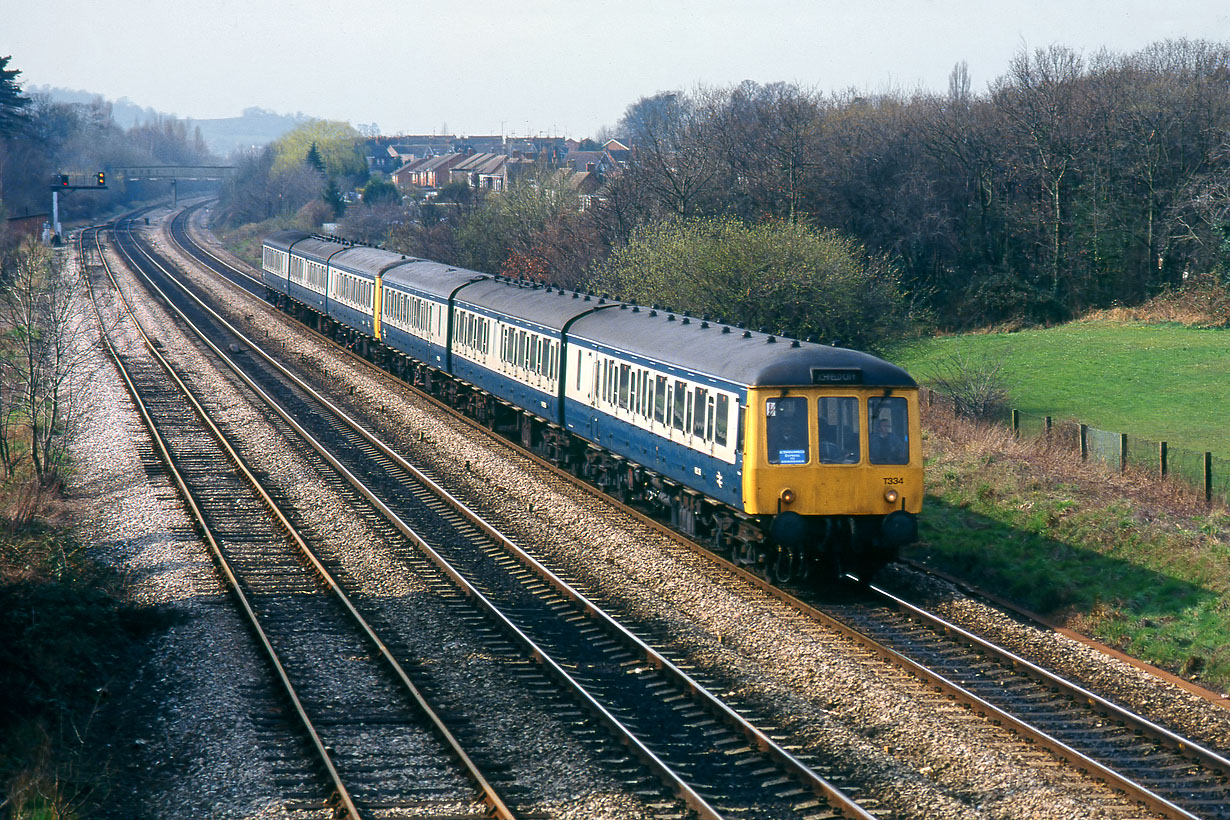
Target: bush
x,y
782,276
974,381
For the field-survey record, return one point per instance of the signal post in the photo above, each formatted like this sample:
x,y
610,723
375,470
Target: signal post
x,y
72,182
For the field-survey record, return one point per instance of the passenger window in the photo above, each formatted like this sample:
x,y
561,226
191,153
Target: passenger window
x,y
839,429
888,425
722,420
681,391
698,426
659,402
624,372
786,430
709,420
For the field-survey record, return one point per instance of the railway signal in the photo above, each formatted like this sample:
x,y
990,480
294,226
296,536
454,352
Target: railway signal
x,y
63,183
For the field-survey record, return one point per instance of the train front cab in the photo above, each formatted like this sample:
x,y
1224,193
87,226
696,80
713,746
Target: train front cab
x,y
837,474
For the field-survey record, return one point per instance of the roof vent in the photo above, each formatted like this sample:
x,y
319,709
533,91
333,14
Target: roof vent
x,y
576,295
670,318
686,320
587,297
636,309
772,340
726,329
747,334
794,343
704,325
653,312
623,307
602,301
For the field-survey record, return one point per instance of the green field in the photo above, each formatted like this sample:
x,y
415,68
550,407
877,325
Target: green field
x,y
1164,382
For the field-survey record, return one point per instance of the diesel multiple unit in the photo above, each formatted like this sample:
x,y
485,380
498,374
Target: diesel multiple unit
x,y
794,458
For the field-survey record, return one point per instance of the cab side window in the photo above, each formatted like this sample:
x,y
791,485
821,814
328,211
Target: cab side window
x,y
889,440
839,429
786,430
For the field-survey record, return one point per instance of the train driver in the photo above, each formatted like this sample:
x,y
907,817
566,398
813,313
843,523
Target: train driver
x,y
887,447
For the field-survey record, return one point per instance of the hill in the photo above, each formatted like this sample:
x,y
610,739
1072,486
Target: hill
x,y
254,127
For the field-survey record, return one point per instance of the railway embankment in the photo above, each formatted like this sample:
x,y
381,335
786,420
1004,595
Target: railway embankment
x,y
1135,563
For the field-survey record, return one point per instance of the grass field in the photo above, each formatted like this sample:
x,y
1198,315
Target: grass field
x,y
1164,382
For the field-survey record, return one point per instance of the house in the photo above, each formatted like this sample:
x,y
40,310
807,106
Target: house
x,y
619,152
429,172
490,171
481,144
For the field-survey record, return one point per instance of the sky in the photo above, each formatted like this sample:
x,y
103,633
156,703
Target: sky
x,y
542,67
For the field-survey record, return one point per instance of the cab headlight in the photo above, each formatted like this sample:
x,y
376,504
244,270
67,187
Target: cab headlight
x,y
787,496
891,496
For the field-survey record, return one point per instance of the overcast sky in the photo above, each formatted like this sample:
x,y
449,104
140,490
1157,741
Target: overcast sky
x,y
541,66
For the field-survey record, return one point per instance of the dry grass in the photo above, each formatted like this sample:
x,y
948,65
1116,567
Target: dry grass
x,y
1203,301
1056,462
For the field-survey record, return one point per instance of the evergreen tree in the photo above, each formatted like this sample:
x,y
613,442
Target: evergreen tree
x,y
315,160
13,114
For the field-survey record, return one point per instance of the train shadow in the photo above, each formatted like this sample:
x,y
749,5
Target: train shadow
x,y
1051,576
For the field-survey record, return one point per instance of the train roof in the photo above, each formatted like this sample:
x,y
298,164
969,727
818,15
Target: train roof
x,y
549,308
317,248
431,278
739,356
368,261
282,240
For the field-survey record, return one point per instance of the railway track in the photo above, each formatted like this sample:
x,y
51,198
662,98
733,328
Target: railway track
x,y
1150,764
381,744
716,760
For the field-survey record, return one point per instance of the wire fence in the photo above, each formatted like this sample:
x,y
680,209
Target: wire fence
x,y
1207,474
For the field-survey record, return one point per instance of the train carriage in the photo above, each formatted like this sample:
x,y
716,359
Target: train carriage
x,y
414,309
307,277
508,340
646,388
276,259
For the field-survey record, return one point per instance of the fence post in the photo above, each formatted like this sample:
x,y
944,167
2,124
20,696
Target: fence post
x,y
1016,423
1161,457
1208,477
1084,442
1048,428
1122,452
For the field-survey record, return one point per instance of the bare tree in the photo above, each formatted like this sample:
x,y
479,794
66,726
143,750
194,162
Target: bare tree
x,y
46,353
1041,101
674,159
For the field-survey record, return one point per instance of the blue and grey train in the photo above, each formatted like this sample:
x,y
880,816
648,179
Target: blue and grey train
x,y
793,458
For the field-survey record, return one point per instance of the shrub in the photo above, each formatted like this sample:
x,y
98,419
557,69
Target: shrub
x,y
785,277
974,381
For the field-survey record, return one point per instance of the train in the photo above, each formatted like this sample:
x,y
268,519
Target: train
x,y
799,461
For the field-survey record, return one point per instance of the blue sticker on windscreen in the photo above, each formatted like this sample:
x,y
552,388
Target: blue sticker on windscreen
x,y
792,456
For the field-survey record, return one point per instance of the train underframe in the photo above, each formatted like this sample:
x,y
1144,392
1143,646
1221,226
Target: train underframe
x,y
804,549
